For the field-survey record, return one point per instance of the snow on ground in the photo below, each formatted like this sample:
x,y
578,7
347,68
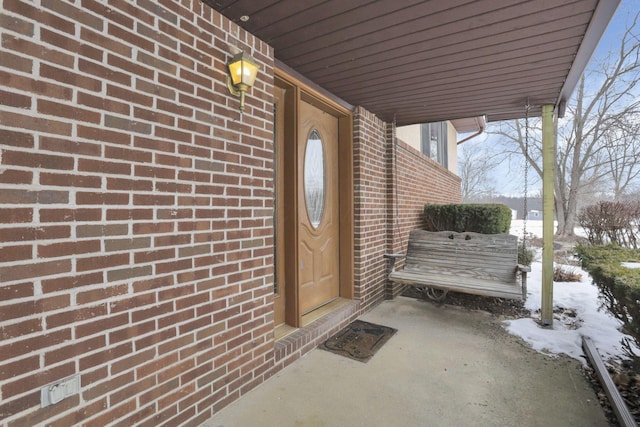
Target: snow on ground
x,y
581,298
535,227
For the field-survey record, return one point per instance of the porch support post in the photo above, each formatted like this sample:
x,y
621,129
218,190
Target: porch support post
x,y
548,167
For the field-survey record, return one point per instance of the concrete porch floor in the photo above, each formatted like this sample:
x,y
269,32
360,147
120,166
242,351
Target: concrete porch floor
x,y
445,366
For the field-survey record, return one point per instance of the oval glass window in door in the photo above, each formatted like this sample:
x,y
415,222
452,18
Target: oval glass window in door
x,y
314,178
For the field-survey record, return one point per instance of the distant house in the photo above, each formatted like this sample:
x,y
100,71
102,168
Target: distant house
x,y
163,251
534,215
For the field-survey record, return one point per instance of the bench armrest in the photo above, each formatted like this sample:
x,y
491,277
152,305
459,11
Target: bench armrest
x,y
524,268
393,258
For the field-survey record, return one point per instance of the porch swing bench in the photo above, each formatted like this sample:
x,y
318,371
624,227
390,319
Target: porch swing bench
x,y
473,263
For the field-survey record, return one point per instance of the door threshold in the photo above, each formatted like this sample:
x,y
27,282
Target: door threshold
x,y
323,310
283,330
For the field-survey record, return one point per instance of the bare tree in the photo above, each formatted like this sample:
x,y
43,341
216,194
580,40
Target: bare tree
x,y
623,147
475,164
606,97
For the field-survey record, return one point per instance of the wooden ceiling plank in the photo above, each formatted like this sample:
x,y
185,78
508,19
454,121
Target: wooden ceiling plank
x,y
519,55
479,75
537,94
239,8
420,97
293,20
412,49
422,100
361,22
495,45
532,89
490,109
218,5
313,27
337,47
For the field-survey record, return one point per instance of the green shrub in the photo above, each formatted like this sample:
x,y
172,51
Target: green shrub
x,y
619,286
477,218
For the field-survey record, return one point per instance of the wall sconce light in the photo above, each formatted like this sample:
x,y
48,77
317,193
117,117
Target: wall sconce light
x,y
242,75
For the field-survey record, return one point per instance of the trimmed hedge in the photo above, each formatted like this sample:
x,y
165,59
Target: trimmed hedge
x,y
477,218
620,286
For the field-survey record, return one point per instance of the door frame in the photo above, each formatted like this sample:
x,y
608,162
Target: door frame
x,y
295,92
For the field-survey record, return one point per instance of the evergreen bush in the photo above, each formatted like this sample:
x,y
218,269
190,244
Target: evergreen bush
x,y
477,218
619,285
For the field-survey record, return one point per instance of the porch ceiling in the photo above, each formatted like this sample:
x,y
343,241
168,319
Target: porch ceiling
x,y
432,60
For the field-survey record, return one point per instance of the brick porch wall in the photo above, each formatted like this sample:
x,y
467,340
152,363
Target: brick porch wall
x,y
370,184
135,213
393,181
414,179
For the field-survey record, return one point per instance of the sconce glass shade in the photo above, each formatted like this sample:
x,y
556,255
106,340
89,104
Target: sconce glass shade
x,y
242,75
243,69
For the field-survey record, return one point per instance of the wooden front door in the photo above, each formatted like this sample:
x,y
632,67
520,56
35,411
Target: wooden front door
x,y
317,208
281,201
313,209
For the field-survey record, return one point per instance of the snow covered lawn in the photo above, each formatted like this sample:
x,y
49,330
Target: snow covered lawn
x,y
581,314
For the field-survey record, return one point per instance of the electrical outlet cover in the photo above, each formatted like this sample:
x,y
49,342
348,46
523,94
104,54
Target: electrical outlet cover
x,y
54,393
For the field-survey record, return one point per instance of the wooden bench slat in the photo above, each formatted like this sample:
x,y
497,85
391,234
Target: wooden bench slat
x,y
503,291
465,262
443,282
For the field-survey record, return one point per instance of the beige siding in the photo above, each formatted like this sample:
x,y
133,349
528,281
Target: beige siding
x,y
411,136
452,149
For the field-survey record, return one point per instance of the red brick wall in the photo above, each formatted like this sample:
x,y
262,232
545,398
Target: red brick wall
x,y
370,147
414,179
135,212
136,234
392,183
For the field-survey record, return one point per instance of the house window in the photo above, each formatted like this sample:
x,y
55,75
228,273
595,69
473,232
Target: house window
x,y
433,139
